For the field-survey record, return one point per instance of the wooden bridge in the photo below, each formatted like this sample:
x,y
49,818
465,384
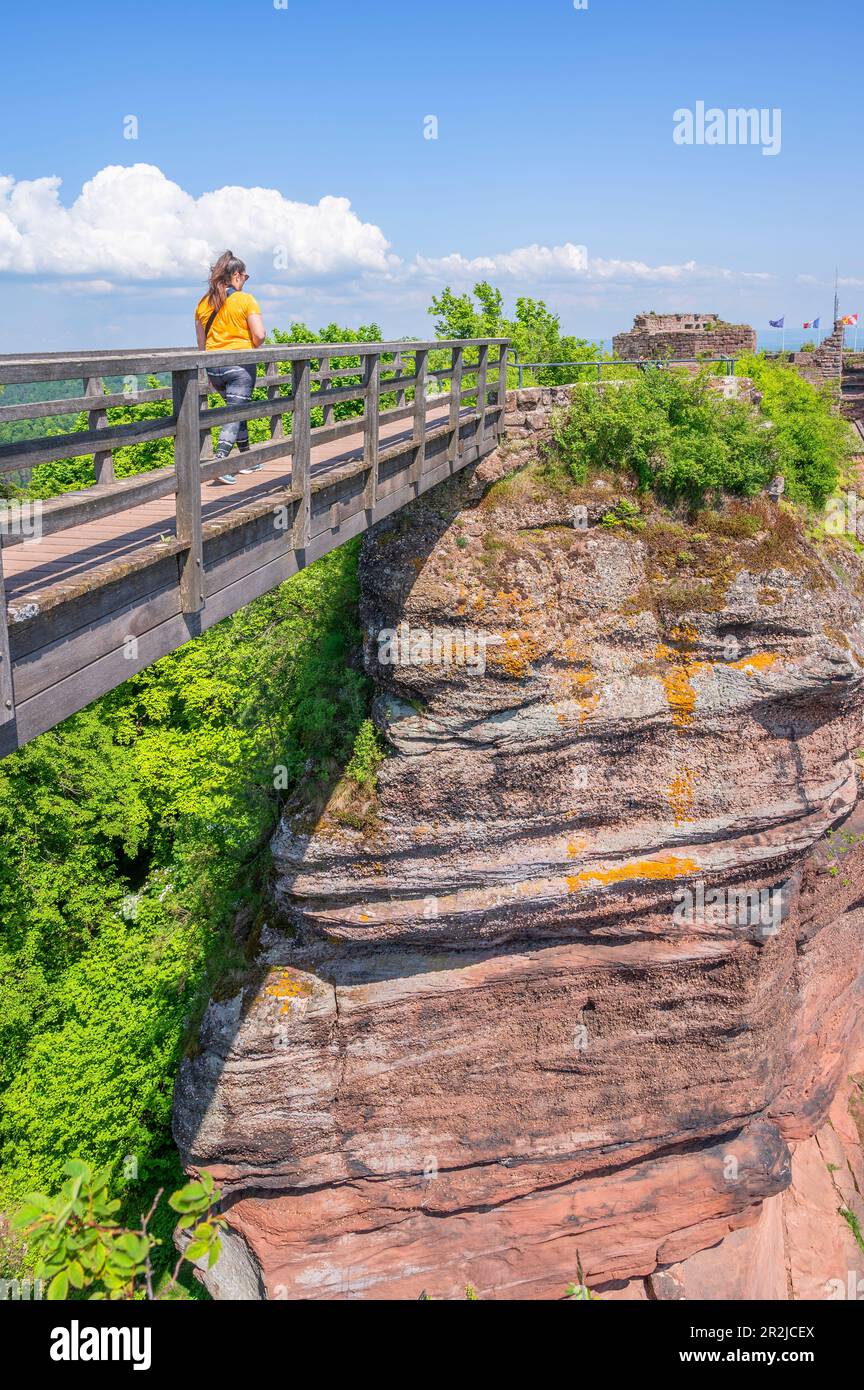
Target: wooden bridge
x,y
99,583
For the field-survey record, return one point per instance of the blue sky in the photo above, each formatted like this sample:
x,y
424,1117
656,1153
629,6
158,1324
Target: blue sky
x,y
554,131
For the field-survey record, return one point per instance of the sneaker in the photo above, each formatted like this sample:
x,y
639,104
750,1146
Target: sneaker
x,y
253,468
226,478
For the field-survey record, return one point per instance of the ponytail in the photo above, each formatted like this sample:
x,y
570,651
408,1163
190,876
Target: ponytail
x,y
220,278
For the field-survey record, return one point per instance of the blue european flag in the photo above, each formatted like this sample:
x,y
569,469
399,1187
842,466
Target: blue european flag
x,y
777,323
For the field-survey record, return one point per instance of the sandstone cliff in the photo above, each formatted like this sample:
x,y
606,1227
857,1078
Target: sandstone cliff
x,y
583,979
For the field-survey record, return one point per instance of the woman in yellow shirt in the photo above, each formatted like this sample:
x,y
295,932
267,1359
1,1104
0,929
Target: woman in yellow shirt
x,y
228,318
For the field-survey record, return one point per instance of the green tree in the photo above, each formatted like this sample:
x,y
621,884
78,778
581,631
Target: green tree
x,y
534,331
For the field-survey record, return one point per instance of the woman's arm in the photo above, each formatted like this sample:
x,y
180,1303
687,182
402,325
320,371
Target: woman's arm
x,y
255,324
199,334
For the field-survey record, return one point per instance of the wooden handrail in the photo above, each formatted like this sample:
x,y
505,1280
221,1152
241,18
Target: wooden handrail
x,y
58,366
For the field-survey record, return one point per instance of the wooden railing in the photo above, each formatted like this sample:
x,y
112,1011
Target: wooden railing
x,y
296,380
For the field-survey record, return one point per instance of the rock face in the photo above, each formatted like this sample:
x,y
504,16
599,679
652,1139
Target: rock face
x,y
584,980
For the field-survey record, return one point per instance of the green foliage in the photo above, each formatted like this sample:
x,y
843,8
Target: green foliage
x,y
80,1249
625,513
336,333
70,474
580,1291
129,838
854,1226
670,431
811,443
534,331
366,757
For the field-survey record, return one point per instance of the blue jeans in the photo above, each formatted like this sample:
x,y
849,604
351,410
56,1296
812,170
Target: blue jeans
x,y
235,385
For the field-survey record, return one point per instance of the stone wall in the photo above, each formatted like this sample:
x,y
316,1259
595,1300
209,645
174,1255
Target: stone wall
x,y
826,363
682,336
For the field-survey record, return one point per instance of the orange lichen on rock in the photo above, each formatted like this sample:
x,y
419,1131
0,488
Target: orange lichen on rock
x,y
680,793
678,682
515,654
666,869
286,985
680,695
759,661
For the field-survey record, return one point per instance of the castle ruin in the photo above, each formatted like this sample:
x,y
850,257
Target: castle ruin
x,y
683,337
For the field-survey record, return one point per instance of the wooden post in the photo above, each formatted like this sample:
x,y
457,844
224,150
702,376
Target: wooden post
x,y
97,419
419,440
324,374
502,375
455,403
301,436
371,392
502,389
187,464
206,450
482,392
7,694
397,368
277,422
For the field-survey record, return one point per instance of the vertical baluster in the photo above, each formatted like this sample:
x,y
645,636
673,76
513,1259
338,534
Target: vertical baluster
x,y
397,368
97,419
277,422
482,393
421,358
301,437
187,464
7,695
455,403
502,389
324,374
205,435
371,392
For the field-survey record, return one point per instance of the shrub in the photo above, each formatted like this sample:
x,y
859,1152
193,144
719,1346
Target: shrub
x,y
80,1248
366,757
670,431
811,442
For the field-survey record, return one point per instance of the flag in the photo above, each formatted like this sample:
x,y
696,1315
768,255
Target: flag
x,y
849,320
777,323
814,323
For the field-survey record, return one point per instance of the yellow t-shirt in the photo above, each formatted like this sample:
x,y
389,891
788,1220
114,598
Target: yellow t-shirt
x,y
230,326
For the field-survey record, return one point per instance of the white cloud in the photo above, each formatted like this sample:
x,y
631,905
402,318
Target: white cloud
x,y
134,224
131,228
524,263
571,264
